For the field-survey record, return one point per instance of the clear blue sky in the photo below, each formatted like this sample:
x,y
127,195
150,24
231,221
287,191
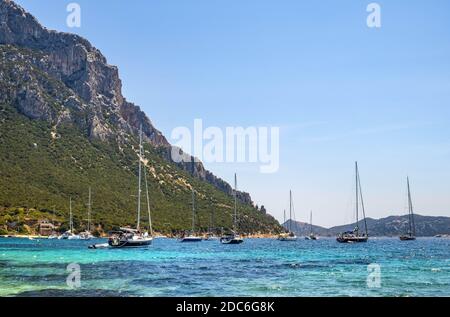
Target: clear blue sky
x,y
339,91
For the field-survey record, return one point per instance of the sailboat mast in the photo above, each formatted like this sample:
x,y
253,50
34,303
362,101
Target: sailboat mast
x,y
290,210
310,223
193,211
235,203
357,198
139,181
89,211
148,205
362,205
70,215
412,227
213,220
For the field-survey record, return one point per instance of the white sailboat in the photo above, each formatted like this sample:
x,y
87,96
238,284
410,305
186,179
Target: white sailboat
x,y
233,237
69,234
127,237
191,237
288,236
411,233
356,236
87,235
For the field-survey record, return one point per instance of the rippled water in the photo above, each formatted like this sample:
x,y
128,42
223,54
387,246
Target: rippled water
x,y
258,267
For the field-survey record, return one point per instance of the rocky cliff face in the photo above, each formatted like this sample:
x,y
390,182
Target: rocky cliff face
x,y
91,96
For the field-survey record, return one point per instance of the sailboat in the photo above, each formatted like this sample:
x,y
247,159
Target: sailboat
x,y
356,235
87,235
128,237
289,236
69,234
311,235
192,237
233,237
411,234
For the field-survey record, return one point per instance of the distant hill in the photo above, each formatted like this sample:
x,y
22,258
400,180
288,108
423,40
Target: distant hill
x,y
426,226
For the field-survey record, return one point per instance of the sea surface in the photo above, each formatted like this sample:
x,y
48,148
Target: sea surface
x,y
258,267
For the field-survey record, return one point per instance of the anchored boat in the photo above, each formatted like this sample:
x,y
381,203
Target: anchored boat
x,y
87,235
233,237
356,236
128,237
288,236
69,234
411,233
311,235
191,237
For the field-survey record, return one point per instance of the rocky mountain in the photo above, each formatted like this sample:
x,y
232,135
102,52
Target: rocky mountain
x,y
59,94
96,85
426,226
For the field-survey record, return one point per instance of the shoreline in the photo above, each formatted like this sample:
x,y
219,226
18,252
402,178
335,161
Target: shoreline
x,y
254,236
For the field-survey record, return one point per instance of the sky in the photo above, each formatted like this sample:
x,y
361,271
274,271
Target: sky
x,y
338,90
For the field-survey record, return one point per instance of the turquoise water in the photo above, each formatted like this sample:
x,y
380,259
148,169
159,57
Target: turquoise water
x,y
258,267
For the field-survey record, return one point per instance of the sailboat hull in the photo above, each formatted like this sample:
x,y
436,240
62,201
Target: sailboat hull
x,y
351,239
191,239
287,239
129,243
231,240
407,238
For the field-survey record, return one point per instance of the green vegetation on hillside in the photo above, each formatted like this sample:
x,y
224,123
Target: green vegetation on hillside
x,y
42,166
